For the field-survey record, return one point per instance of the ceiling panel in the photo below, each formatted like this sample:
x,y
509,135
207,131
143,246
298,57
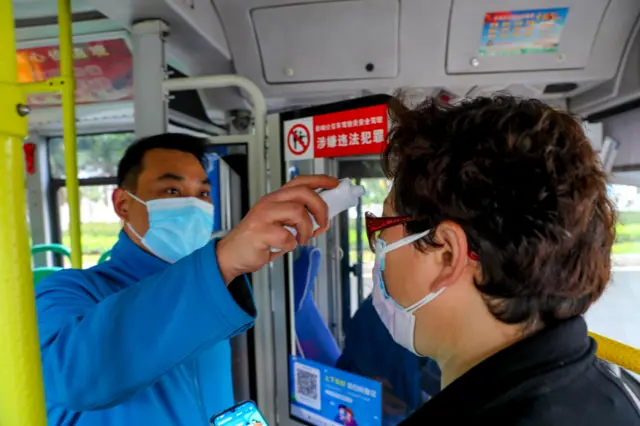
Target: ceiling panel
x,y
33,9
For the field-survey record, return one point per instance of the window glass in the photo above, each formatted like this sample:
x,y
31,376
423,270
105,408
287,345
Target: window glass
x,y
616,314
98,155
100,225
627,247
376,192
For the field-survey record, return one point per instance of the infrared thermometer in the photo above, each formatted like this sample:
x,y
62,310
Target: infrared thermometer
x,y
338,199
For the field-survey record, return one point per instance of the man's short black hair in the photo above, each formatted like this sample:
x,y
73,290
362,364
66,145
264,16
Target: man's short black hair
x,y
130,165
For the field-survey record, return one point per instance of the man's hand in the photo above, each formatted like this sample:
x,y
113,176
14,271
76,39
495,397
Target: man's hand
x,y
246,248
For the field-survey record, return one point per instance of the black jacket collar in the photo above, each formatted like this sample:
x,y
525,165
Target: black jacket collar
x,y
537,364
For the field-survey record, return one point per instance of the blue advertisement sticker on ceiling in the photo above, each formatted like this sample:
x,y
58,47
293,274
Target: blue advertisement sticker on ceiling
x,y
522,32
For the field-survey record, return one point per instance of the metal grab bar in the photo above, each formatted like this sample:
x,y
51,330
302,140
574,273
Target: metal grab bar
x,y
617,353
256,146
21,388
69,129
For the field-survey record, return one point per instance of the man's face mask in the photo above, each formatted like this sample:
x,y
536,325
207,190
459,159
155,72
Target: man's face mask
x,y
177,226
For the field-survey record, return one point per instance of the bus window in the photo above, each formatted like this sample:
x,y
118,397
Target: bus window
x,y
100,225
616,314
98,157
360,257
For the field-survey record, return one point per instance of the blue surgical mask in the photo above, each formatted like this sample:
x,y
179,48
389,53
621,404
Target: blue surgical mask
x,y
177,226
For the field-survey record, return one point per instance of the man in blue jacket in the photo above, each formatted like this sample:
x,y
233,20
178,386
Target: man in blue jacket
x,y
143,338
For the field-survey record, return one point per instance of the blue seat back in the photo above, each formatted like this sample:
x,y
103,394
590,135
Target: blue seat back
x,y
315,341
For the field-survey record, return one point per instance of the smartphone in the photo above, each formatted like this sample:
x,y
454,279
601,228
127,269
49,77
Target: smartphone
x,y
244,414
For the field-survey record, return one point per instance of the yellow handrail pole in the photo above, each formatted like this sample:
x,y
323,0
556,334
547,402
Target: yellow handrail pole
x,y
21,391
617,353
69,128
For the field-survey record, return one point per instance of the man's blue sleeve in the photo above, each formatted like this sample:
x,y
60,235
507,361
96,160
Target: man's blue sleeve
x,y
97,352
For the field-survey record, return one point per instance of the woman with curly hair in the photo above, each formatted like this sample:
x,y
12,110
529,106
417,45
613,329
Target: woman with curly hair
x,y
496,240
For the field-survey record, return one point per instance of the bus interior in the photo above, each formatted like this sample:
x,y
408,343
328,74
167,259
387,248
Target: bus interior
x,y
250,75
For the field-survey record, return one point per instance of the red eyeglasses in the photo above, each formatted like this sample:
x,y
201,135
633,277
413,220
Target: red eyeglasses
x,y
375,225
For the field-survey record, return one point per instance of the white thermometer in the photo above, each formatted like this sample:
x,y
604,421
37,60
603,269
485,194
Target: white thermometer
x,y
338,199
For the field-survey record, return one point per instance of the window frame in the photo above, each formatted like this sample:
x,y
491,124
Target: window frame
x,y
49,139
55,184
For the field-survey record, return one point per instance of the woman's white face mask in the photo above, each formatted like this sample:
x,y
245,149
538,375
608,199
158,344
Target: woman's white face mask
x,y
401,322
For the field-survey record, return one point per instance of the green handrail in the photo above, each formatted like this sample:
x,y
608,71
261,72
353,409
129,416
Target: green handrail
x,y
54,248
42,272
105,256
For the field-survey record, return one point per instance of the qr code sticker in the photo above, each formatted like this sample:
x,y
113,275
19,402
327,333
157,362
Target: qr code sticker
x,y
307,385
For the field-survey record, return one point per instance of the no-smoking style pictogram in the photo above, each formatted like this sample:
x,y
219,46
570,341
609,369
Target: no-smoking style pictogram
x,y
298,139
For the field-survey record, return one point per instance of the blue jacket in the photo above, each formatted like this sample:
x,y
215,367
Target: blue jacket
x,y
136,341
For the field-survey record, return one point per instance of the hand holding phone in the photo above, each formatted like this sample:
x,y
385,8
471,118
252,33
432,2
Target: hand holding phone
x,y
244,414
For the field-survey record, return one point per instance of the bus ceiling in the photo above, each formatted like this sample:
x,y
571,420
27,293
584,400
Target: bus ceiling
x,y
582,55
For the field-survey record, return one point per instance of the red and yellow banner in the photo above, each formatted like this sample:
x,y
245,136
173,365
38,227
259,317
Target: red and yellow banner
x,y
103,71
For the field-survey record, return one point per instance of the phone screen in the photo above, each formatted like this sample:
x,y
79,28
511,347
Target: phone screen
x,y
243,414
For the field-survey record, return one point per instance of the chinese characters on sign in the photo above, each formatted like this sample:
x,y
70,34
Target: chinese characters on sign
x,y
352,132
36,56
351,386
361,389
103,71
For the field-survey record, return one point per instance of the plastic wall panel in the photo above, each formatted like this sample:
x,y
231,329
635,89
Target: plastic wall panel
x,y
576,40
625,178
201,15
625,86
625,128
423,44
325,41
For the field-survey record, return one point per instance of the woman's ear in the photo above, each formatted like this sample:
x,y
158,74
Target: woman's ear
x,y
452,256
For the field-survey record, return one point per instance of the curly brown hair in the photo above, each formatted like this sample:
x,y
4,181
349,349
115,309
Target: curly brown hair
x,y
524,183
